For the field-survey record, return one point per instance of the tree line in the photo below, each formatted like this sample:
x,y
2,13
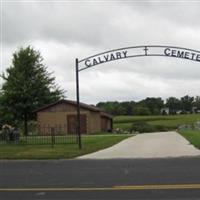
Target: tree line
x,y
152,106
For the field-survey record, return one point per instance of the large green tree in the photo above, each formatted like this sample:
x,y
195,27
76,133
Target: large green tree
x,y
197,102
27,86
187,103
173,104
153,104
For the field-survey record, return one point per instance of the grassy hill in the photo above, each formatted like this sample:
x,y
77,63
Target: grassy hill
x,y
162,122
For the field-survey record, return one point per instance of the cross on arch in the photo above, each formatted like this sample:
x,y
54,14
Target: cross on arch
x,y
146,50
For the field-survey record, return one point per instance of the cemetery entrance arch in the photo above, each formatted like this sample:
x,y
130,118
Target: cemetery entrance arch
x,y
124,53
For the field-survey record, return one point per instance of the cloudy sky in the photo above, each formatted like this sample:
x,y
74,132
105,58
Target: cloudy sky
x,y
65,30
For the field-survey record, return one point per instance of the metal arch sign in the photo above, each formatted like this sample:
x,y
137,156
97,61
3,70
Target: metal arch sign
x,y
138,51
128,52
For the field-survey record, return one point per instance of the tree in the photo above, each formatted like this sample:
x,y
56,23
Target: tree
x,y
187,103
128,106
153,104
5,116
139,110
27,86
112,107
117,108
197,102
173,104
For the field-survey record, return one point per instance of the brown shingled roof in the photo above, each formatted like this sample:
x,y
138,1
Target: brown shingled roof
x,y
104,114
82,105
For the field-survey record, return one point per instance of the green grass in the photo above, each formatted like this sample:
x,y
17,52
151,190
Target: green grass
x,y
193,136
170,122
90,144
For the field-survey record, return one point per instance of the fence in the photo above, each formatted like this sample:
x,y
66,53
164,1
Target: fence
x,y
44,135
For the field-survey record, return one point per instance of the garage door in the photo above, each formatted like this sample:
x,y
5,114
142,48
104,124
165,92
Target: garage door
x,y
71,124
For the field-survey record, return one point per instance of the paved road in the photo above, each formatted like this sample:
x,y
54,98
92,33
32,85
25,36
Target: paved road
x,y
149,145
174,178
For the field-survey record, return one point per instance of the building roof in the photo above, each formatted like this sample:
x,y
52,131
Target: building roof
x,y
104,114
82,105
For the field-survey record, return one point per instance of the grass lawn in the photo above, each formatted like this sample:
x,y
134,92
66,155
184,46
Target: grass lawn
x,y
192,136
170,122
90,144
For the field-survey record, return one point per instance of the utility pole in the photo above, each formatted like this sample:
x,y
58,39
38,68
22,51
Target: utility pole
x,y
78,106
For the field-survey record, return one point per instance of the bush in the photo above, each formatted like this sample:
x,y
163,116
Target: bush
x,y
142,127
162,128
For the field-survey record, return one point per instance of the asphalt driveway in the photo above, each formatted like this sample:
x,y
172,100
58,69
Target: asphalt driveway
x,y
148,145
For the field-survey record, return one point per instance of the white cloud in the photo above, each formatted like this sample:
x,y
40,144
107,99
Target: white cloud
x,y
63,31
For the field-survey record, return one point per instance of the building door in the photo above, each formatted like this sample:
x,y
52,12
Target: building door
x,y
104,125
71,124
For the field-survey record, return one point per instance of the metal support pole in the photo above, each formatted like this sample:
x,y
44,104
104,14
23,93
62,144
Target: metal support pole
x,y
78,106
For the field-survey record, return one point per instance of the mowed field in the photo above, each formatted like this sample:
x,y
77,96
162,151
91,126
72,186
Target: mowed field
x,y
169,122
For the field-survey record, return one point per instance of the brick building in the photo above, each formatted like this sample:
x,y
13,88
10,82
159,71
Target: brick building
x,y
61,116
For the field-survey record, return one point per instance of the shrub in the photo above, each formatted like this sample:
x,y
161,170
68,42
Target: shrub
x,y
142,127
161,128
